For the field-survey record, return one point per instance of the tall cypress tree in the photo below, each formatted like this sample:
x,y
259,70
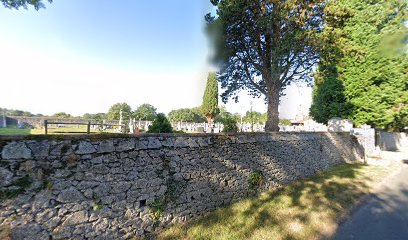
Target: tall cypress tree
x,y
362,74
210,99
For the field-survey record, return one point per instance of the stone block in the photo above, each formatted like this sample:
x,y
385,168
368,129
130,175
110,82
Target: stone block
x,y
85,148
16,150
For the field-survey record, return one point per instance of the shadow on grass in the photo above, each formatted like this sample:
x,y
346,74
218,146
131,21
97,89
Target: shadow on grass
x,y
303,210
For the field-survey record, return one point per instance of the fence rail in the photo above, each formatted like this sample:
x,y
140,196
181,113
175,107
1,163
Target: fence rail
x,y
88,128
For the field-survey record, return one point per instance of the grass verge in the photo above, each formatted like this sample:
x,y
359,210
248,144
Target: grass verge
x,y
35,131
14,131
307,209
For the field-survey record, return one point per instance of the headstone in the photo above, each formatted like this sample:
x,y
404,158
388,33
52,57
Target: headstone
x,y
120,120
200,129
131,125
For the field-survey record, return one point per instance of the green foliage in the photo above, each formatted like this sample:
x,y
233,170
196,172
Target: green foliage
x,y
329,101
230,124
62,115
255,180
222,114
186,115
114,111
15,112
285,122
400,115
97,205
145,112
156,210
362,73
16,4
209,108
262,46
254,117
97,116
160,125
21,184
46,184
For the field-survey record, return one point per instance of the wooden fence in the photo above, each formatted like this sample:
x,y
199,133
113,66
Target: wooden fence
x,y
88,128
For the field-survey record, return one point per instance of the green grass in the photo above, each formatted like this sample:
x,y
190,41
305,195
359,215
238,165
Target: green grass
x,y
65,130
307,209
14,131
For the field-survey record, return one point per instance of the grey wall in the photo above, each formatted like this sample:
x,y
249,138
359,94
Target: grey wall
x,y
392,141
3,122
80,187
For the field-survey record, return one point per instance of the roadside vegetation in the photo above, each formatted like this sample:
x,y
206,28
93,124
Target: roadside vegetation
x,y
307,209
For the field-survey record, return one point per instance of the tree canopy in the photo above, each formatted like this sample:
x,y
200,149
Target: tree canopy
x,y
362,75
263,46
160,125
114,111
186,115
145,112
62,115
209,106
16,4
16,112
96,116
254,117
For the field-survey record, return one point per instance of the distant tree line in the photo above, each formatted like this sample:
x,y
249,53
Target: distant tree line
x,y
16,112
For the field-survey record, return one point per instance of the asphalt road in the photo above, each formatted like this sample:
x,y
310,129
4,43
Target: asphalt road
x,y
384,215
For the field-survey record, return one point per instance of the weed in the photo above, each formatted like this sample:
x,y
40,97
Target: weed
x,y
255,180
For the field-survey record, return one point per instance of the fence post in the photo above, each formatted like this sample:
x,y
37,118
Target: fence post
x,y
88,129
46,126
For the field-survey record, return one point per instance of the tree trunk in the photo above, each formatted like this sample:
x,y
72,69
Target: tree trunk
x,y
273,111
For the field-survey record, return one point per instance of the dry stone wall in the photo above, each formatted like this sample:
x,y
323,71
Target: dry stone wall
x,y
122,187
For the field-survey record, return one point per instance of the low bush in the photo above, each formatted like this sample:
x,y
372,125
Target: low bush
x,y
160,125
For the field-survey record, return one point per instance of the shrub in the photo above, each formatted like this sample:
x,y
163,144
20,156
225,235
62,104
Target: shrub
x,y
160,125
230,124
255,180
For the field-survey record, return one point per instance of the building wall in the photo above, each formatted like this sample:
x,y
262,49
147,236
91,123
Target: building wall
x,y
76,187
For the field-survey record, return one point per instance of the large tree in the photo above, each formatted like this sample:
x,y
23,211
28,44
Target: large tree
x,y
114,111
186,115
62,115
362,74
210,99
16,4
264,45
145,112
96,116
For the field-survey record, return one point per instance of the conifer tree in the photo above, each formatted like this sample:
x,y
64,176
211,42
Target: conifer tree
x,y
210,99
362,74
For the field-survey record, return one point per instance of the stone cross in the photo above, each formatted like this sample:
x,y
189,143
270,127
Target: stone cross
x,y
120,120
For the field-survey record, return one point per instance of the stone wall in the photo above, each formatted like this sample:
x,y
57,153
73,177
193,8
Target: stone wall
x,y
392,141
104,187
366,137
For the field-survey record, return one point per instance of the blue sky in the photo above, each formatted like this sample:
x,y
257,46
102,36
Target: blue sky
x,y
83,56
150,35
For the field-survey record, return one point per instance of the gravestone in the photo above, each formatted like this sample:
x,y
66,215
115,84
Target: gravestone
x,y
120,120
